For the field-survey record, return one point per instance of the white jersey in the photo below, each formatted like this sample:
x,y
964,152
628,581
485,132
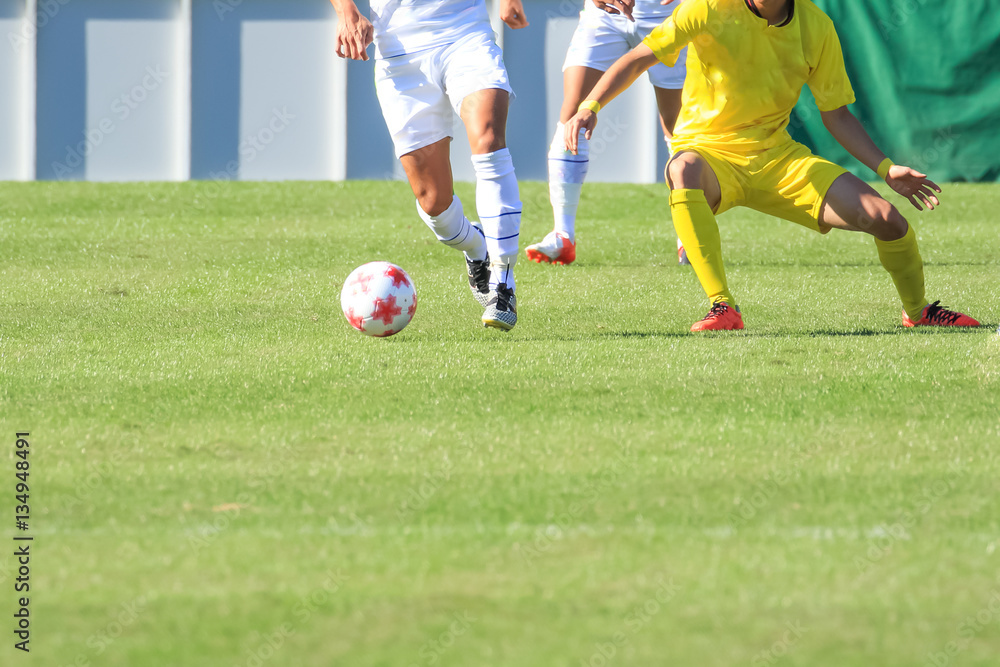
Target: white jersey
x,y
644,9
408,26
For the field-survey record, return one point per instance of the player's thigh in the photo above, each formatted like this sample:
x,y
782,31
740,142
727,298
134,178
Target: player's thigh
x,y
688,170
668,101
578,81
428,169
852,204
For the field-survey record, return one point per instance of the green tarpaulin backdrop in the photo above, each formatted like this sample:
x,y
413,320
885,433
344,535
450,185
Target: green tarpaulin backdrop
x,y
927,77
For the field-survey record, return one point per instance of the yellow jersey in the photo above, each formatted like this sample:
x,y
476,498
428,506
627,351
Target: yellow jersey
x,y
744,76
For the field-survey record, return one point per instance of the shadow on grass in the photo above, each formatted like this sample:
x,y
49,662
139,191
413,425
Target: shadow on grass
x,y
819,333
856,332
849,264
860,333
736,334
643,334
951,331
742,334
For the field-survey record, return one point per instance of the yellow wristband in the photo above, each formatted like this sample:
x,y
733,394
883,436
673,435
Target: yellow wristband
x,y
589,104
883,168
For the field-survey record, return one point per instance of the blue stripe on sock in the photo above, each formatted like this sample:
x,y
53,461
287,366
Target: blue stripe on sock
x,y
503,238
559,159
449,241
501,215
452,238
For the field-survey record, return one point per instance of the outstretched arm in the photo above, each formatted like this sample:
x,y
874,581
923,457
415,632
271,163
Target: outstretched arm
x,y
615,81
851,134
354,31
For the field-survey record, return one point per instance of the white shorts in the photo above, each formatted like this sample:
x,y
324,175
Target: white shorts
x,y
601,39
418,92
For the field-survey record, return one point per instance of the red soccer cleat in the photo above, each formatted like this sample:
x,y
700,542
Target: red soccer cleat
x,y
555,248
934,315
722,317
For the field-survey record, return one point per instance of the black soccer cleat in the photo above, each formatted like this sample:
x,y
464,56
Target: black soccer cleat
x,y
479,279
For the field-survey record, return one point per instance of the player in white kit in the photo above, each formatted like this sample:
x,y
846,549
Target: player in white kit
x,y
603,35
432,57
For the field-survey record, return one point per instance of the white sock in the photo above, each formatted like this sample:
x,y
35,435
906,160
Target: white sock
x,y
454,230
499,205
670,147
566,175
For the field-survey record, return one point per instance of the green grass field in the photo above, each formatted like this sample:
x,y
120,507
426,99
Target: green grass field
x,y
223,472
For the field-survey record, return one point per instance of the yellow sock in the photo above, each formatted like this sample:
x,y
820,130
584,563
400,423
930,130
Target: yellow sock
x,y
698,231
901,258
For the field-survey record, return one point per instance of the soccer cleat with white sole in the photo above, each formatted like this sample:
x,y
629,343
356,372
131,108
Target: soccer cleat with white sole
x,y
682,256
501,310
555,248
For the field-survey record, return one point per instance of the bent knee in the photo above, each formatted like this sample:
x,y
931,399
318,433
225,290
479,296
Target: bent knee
x,y
684,171
887,223
490,139
433,201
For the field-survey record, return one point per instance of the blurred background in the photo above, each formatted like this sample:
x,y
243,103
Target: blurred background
x,y
121,90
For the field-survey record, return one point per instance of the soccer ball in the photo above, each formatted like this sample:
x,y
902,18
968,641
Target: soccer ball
x,y
378,299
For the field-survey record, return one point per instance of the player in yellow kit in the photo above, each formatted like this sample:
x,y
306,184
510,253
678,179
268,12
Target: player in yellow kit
x,y
747,64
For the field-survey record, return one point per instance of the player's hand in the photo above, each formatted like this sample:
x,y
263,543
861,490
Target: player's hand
x,y
354,34
512,13
618,7
914,186
585,119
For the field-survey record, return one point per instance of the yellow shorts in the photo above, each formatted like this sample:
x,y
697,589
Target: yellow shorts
x,y
787,181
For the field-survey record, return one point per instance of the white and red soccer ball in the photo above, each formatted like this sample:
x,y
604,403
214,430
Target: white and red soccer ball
x,y
378,299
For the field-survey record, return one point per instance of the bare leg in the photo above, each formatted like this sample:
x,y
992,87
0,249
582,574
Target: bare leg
x,y
668,101
485,116
577,84
853,205
428,170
